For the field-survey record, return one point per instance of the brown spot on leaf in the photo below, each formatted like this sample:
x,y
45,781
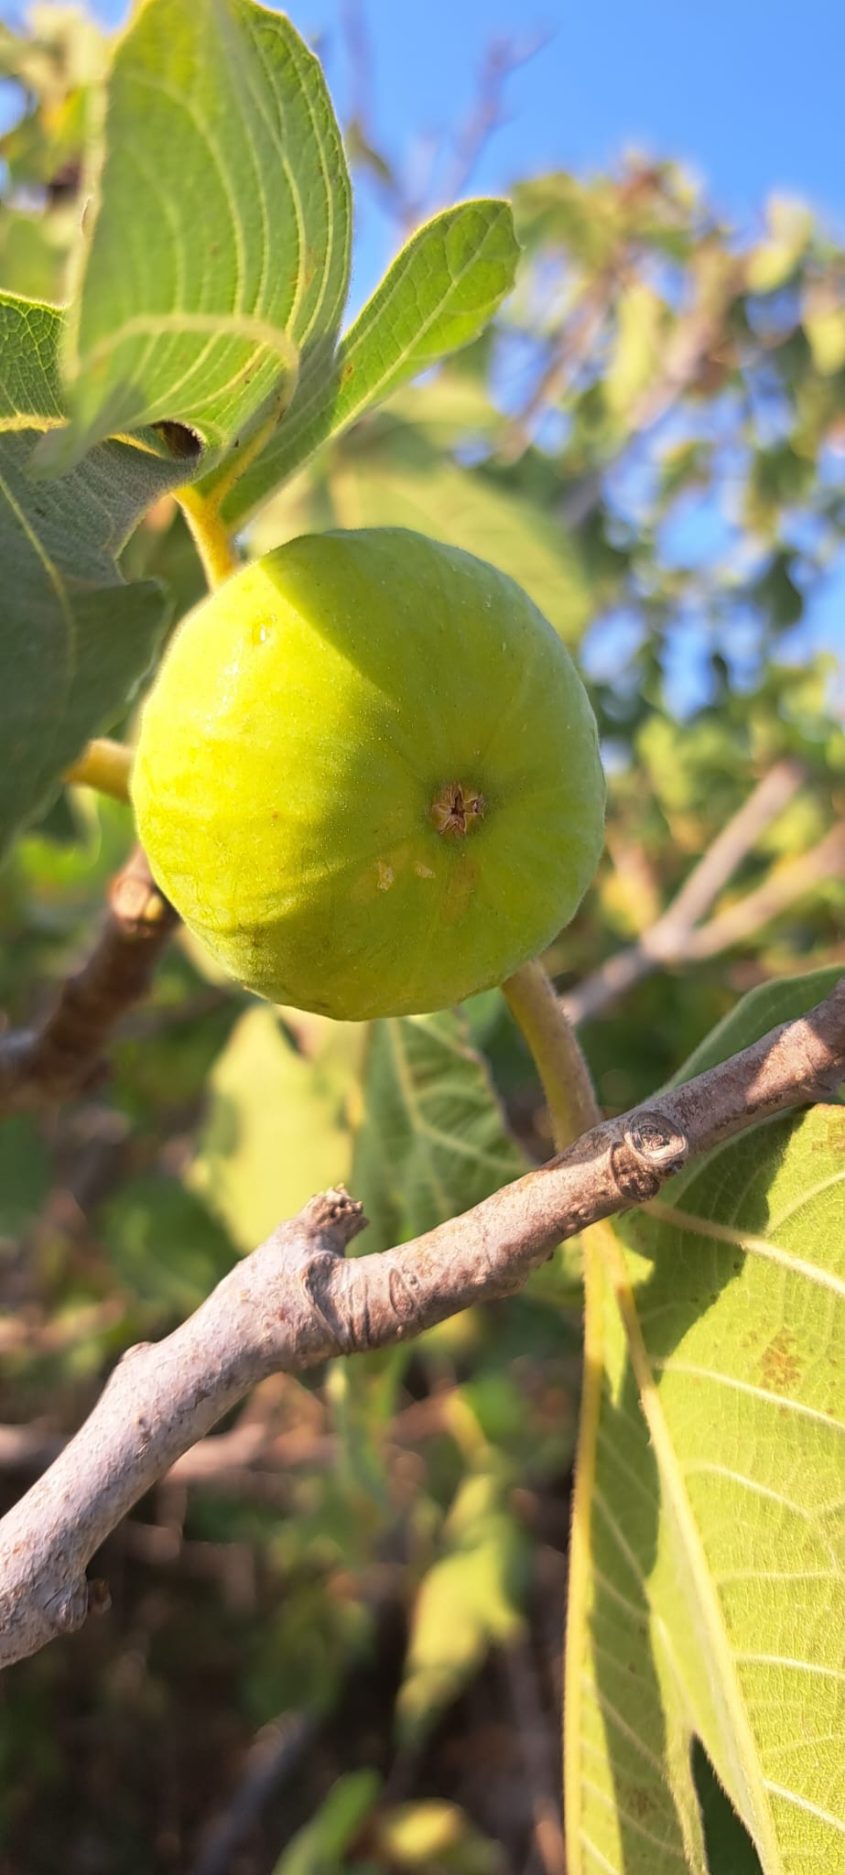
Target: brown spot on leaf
x,y
779,1367
638,1800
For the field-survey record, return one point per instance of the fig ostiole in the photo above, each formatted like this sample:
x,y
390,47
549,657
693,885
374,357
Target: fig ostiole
x,y
368,776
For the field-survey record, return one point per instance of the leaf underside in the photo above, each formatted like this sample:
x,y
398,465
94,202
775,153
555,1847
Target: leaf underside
x,y
715,1589
74,638
219,247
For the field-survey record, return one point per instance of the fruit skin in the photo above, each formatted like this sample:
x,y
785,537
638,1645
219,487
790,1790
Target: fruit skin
x,y
368,775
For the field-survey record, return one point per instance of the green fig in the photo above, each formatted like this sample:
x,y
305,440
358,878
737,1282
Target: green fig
x,y
368,775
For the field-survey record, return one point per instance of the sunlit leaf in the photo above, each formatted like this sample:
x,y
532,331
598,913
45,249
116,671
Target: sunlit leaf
x,y
773,262
199,318
277,1128
433,1140
641,318
438,294
714,1584
434,1836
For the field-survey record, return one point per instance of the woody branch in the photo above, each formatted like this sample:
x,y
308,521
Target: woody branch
x,y
296,1301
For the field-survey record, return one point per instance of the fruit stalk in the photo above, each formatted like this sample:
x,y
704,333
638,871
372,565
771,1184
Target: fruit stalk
x,y
210,536
104,765
573,1107
556,1051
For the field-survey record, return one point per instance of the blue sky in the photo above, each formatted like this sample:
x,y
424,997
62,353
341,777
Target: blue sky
x,y
750,91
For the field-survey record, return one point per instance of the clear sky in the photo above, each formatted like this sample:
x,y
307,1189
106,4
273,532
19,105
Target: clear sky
x,y
750,91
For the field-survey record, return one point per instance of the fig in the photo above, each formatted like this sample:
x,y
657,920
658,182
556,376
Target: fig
x,y
367,775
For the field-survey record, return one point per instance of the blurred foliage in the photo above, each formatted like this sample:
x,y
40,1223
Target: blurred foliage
x,y
650,438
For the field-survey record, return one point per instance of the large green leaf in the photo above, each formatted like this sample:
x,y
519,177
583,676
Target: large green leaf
x,y
74,639
219,246
438,295
276,1127
433,1141
714,1588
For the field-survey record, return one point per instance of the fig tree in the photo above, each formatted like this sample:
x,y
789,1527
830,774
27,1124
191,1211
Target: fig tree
x,y
368,775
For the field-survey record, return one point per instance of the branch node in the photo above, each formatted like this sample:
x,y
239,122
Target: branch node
x,y
317,1281
634,1181
401,1288
648,1152
67,1608
136,901
333,1214
656,1139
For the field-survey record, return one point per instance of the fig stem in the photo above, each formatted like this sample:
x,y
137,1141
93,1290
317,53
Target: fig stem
x,y
557,1054
242,459
210,536
573,1107
104,765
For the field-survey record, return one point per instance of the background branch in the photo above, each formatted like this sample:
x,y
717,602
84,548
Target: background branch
x,y
503,57
677,936
275,1756
758,908
686,356
296,1301
63,1055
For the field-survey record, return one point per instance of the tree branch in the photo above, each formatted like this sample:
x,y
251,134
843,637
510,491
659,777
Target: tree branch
x,y
783,888
64,1055
686,353
502,58
677,936
765,802
296,1302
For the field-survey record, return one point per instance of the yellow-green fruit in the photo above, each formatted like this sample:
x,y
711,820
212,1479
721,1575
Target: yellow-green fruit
x,y
368,775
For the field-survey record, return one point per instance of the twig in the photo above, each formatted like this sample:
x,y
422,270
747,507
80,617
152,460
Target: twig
x,y
782,888
690,346
359,57
771,795
677,936
274,1755
502,58
568,353
64,1055
33,1448
296,1301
